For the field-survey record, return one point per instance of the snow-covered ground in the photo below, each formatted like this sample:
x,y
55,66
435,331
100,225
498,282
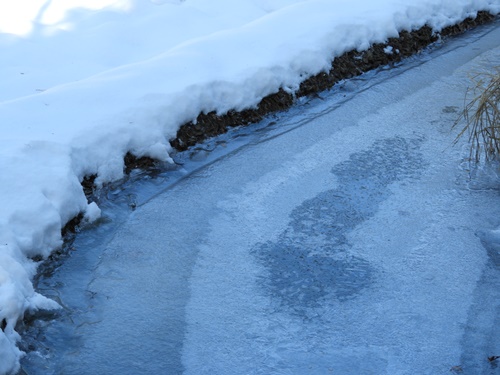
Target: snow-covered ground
x,y
84,82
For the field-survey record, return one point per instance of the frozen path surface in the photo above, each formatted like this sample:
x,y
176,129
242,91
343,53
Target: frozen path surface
x,y
349,244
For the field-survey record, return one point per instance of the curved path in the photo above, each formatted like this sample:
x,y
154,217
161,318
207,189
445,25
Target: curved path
x,y
346,240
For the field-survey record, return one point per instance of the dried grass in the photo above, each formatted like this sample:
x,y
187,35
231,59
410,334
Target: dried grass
x,y
482,116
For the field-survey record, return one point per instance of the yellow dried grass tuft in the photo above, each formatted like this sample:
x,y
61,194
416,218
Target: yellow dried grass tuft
x,y
482,116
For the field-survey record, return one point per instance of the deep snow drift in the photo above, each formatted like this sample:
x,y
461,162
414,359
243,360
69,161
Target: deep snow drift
x,y
83,86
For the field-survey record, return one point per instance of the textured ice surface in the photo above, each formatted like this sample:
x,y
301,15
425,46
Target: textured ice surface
x,y
71,106
396,273
310,261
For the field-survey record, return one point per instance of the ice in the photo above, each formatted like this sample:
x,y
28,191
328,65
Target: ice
x,y
414,260
83,83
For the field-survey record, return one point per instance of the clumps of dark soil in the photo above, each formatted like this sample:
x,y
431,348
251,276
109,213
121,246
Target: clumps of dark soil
x,y
72,225
133,162
350,64
88,185
354,63
467,24
210,124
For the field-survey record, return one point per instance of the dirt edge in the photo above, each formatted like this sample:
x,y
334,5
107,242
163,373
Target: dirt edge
x,y
348,65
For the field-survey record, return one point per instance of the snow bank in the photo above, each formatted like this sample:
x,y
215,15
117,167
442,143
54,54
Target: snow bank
x,y
82,87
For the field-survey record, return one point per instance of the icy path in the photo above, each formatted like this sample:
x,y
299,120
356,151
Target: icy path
x,y
347,245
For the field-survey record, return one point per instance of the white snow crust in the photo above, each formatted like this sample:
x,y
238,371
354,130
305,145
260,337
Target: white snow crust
x,y
85,82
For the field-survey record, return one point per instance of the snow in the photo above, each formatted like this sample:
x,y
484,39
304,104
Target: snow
x,y
85,82
389,50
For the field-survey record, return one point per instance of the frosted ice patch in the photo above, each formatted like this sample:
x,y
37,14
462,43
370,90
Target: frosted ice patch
x,y
491,242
